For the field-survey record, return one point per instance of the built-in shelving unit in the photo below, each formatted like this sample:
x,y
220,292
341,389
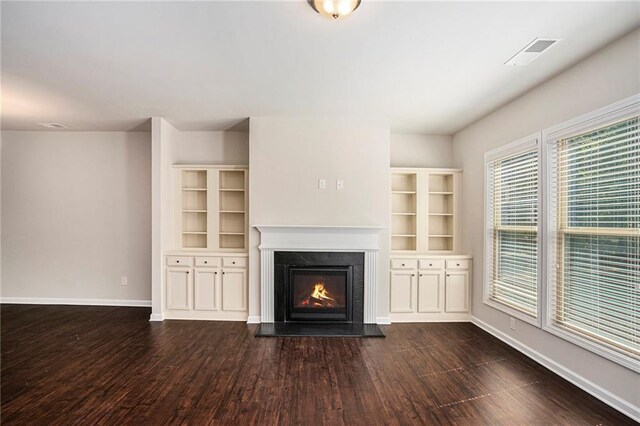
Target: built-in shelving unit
x,y
403,210
212,210
424,210
441,207
232,209
194,208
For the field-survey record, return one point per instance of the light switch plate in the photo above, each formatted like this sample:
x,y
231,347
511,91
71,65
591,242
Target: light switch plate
x,y
339,184
322,184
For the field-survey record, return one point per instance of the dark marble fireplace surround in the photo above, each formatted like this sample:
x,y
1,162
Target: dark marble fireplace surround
x,y
352,326
287,261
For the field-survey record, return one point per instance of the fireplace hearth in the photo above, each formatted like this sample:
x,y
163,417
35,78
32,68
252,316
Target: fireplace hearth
x,y
318,294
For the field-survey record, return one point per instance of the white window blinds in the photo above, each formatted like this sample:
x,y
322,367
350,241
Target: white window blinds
x,y
594,224
512,229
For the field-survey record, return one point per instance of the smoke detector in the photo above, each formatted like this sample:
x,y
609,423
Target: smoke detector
x,y
532,50
53,125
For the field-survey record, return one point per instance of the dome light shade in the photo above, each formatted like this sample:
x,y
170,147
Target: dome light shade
x,y
334,9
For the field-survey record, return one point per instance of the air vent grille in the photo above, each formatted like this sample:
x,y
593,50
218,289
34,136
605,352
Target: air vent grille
x,y
540,45
53,125
531,51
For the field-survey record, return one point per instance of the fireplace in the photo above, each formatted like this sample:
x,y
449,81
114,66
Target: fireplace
x,y
319,287
319,294
318,281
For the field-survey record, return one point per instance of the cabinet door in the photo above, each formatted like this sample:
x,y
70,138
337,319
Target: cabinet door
x,y
457,291
234,289
178,285
205,294
402,291
430,291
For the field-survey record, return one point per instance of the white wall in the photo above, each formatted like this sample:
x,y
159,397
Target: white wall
x,y
286,159
0,208
421,150
608,76
211,148
76,209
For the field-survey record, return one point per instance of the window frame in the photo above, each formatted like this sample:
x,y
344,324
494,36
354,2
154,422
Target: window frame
x,y
521,146
550,136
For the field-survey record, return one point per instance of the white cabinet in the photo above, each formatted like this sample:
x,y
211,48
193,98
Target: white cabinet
x,y
430,296
457,291
234,289
402,291
429,288
178,288
210,233
205,289
200,287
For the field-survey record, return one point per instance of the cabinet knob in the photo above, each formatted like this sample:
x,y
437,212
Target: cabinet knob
x,y
223,273
187,272
413,275
430,264
403,264
233,263
205,262
457,264
448,275
215,273
177,261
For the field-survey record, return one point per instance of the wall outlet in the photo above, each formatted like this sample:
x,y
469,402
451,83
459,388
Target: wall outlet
x,y
513,323
124,281
339,185
322,184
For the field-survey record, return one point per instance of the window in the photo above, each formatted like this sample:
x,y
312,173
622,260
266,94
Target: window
x,y
511,240
593,249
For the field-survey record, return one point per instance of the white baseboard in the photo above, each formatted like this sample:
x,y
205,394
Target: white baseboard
x,y
383,320
256,319
156,317
60,301
588,386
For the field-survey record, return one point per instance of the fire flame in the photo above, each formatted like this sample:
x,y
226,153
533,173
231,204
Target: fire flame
x,y
320,297
319,292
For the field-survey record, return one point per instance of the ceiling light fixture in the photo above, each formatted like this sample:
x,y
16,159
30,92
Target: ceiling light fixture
x,y
334,9
53,125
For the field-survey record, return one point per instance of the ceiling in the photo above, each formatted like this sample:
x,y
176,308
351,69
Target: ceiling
x,y
426,67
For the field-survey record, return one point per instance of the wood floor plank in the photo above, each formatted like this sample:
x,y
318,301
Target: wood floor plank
x,y
110,365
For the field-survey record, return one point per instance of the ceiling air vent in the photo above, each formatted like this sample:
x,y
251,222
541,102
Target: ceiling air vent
x,y
53,125
532,50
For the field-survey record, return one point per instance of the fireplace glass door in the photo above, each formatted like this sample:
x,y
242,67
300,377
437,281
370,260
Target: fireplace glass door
x,y
319,294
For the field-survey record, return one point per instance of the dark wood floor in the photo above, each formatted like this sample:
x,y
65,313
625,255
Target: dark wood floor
x,y
88,365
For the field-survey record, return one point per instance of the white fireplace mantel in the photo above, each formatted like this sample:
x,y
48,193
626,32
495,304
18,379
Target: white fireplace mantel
x,y
318,238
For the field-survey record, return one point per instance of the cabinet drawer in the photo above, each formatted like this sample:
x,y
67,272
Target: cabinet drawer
x,y
404,264
238,262
431,264
178,261
208,261
458,264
